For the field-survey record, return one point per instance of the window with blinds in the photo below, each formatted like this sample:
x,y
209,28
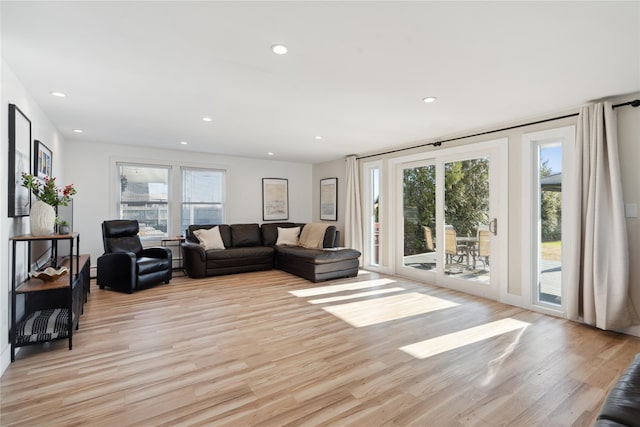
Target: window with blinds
x,y
203,197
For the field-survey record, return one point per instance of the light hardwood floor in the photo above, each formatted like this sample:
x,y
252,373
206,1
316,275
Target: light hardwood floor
x,y
272,349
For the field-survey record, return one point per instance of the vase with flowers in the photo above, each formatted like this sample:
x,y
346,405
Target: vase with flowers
x,y
50,196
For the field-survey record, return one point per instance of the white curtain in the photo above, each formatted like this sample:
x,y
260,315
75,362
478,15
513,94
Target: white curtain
x,y
353,210
598,280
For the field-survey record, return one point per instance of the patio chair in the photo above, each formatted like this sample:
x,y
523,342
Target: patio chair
x,y
428,237
483,248
451,247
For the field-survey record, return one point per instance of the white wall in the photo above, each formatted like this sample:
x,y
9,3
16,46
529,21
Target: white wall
x,y
91,167
13,92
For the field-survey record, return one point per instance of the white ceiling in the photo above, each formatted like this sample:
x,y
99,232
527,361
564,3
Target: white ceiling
x,y
145,73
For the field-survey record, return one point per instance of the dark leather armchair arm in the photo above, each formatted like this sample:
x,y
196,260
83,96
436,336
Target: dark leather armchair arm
x,y
157,252
117,270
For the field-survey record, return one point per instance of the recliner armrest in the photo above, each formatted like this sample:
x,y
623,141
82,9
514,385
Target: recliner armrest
x,y
157,252
117,270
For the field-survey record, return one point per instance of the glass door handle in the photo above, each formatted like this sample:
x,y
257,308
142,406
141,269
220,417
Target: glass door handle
x,y
493,226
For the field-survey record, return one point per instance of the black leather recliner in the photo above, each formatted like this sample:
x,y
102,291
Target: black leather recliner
x,y
125,265
621,408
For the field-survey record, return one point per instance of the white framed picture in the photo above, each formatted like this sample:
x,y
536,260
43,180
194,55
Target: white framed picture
x,y
275,199
329,199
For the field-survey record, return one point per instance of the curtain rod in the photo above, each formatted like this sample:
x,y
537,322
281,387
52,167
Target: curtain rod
x,y
634,103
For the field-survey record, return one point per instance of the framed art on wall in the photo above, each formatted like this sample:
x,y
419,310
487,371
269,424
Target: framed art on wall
x,y
19,161
42,160
275,199
329,199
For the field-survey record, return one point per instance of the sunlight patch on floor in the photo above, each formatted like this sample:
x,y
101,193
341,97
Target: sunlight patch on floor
x,y
494,366
354,296
384,309
324,290
441,344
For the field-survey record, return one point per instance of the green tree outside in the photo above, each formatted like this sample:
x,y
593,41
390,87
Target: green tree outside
x,y
466,200
550,210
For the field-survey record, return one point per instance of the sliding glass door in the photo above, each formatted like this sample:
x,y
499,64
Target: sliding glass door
x,y
449,229
467,218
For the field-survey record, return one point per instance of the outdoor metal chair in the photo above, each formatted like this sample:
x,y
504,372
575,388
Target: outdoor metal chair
x,y
428,237
483,247
451,247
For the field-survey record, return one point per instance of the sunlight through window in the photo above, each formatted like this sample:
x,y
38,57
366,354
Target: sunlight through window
x,y
354,296
385,309
324,290
441,344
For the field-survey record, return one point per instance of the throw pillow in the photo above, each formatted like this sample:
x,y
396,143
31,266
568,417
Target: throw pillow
x,y
210,238
288,236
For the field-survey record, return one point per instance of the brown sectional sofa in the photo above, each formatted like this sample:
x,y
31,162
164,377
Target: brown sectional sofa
x,y
251,247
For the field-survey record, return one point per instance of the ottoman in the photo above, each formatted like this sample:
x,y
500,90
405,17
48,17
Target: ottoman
x,y
317,265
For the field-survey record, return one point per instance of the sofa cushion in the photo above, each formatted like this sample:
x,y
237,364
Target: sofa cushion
x,y
210,238
237,253
245,235
317,256
288,236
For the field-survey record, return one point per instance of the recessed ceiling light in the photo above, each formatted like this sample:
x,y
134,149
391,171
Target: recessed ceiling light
x,y
78,130
183,142
269,153
318,137
206,119
58,94
429,99
279,49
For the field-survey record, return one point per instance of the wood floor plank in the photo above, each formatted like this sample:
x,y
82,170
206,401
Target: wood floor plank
x,y
271,349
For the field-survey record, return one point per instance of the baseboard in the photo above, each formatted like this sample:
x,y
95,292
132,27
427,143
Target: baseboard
x,y
5,358
515,300
631,330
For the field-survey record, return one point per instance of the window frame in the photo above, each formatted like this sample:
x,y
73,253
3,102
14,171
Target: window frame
x,y
532,142
369,237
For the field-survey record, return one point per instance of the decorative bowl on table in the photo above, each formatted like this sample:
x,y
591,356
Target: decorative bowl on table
x,y
49,274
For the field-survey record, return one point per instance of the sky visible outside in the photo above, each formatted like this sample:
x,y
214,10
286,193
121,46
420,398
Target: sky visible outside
x,y
553,154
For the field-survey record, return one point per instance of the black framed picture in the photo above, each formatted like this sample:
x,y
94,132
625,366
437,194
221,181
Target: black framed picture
x,y
329,199
42,157
275,199
19,161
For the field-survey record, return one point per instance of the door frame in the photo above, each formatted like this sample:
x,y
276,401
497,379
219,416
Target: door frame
x,y
497,149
